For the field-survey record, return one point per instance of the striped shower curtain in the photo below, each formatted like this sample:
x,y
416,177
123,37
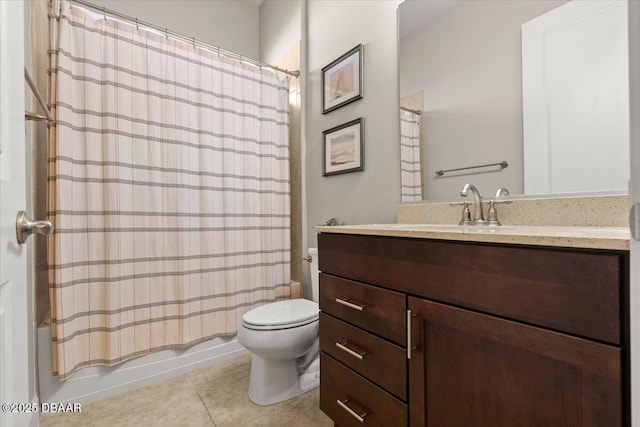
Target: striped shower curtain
x,y
168,190
411,170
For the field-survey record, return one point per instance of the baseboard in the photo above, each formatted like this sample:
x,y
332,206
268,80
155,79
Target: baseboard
x,y
98,382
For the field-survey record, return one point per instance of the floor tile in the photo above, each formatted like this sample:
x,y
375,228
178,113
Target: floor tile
x,y
221,369
172,402
228,403
213,396
302,411
76,419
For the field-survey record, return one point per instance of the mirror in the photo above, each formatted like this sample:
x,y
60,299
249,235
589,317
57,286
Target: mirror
x,y
468,67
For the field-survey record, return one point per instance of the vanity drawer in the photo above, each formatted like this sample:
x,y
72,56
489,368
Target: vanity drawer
x,y
574,291
380,361
339,383
375,309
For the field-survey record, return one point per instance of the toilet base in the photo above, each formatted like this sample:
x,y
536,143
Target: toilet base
x,y
275,380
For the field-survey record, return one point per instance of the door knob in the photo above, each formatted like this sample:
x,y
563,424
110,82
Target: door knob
x,y
25,227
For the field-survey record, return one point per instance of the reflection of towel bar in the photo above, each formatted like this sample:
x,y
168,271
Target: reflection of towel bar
x,y
34,116
503,164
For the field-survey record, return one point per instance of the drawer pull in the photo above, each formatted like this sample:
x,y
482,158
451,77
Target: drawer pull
x,y
344,347
343,404
350,304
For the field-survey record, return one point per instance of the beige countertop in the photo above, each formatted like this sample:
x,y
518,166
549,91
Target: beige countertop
x,y
615,238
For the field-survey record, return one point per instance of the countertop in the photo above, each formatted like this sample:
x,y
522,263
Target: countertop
x,y
613,238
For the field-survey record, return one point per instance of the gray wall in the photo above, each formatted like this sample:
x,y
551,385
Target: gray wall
x,y
280,27
230,24
371,196
468,62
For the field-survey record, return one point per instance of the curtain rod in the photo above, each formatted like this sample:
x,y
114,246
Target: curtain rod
x,y
33,116
190,40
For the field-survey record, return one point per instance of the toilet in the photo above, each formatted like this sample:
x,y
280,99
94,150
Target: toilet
x,y
283,337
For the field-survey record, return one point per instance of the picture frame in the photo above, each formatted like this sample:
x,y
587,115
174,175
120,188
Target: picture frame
x,y
343,148
342,81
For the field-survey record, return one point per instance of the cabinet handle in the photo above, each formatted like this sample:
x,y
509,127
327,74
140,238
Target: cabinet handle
x,y
409,334
350,304
410,346
343,404
343,347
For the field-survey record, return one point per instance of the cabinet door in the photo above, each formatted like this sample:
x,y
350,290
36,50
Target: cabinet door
x,y
470,369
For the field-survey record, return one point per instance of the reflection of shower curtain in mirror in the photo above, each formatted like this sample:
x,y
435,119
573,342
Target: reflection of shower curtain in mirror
x,y
411,178
169,191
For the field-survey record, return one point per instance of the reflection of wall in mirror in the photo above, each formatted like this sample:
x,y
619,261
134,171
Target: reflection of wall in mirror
x,y
468,63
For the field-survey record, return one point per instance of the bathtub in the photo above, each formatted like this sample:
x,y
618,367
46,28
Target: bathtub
x,y
98,382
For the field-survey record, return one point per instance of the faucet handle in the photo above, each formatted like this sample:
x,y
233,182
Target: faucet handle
x,y
492,213
466,213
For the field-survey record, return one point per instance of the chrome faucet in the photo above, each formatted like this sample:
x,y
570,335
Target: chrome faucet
x,y
478,216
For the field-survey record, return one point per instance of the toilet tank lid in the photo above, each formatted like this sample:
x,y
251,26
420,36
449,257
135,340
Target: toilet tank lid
x,y
282,313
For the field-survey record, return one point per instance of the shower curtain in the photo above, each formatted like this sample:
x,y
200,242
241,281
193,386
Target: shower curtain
x,y
168,190
411,170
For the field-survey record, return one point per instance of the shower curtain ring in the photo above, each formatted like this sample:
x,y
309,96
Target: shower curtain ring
x,y
166,33
104,12
137,28
194,42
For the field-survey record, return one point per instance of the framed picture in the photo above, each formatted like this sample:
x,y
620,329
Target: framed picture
x,y
344,148
342,80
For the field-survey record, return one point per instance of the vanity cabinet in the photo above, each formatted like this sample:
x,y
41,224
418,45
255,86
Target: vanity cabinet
x,y
469,368
465,333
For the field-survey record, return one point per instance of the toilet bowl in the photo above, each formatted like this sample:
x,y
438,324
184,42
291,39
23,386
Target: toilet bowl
x,y
283,338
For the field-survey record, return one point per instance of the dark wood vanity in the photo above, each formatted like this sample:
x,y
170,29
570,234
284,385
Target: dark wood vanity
x,y
445,333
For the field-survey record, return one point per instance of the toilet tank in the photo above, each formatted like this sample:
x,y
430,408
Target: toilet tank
x,y
313,253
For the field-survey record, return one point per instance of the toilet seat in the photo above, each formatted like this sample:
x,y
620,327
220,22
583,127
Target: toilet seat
x,y
281,315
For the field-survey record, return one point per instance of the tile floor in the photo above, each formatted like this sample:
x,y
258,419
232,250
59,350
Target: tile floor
x,y
211,396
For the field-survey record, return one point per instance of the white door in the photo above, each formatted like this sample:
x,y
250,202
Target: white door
x,y
575,98
14,328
